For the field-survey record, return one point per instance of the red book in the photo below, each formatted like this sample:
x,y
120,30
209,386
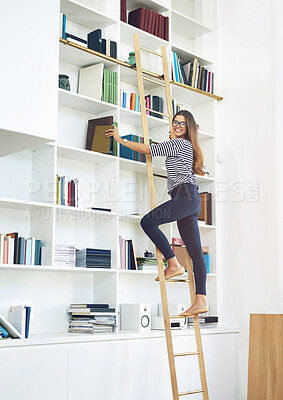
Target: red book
x,y
136,17
150,15
160,23
153,22
166,28
146,14
123,10
162,27
156,24
69,193
5,255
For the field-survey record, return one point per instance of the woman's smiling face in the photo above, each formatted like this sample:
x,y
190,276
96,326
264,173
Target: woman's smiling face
x,y
181,128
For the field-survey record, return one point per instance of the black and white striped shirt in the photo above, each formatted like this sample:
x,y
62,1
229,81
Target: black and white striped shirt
x,y
179,161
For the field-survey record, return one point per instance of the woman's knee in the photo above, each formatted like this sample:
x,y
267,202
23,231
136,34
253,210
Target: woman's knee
x,y
146,222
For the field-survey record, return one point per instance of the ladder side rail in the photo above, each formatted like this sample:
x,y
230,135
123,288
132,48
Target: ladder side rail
x,y
164,300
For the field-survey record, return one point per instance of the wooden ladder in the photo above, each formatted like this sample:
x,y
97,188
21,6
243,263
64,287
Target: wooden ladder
x,y
180,249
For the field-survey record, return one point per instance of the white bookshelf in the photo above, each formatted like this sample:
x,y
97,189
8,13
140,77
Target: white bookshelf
x,y
28,198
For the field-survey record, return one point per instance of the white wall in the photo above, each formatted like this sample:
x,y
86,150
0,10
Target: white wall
x,y
247,139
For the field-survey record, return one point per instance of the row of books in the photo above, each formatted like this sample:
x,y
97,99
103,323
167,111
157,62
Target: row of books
x,y
131,101
19,317
69,256
68,191
15,249
109,89
192,74
94,40
147,20
98,83
91,318
127,254
130,154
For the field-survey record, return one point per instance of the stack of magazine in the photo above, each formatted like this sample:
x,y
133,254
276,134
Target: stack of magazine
x,y
148,264
91,318
90,258
65,256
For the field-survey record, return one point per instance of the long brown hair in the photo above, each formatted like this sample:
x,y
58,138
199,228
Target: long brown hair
x,y
192,135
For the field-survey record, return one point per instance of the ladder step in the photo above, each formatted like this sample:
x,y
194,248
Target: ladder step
x,y
150,51
177,280
152,81
191,392
157,112
179,316
190,353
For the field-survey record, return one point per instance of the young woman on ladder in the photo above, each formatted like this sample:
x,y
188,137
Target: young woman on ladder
x,y
184,159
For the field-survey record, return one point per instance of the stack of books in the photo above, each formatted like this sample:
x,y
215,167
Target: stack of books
x,y
148,264
91,318
96,139
65,255
93,258
15,249
148,20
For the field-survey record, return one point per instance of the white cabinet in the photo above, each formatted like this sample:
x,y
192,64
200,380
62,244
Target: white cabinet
x,y
101,370
32,373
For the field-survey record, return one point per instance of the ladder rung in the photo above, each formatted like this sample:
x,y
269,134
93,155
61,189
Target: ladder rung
x,y
190,353
152,81
179,316
157,112
177,280
151,51
191,392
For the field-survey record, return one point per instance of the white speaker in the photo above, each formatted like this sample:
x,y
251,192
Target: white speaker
x,y
135,317
175,309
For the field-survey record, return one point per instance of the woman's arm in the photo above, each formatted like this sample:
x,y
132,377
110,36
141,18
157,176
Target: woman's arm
x,y
140,147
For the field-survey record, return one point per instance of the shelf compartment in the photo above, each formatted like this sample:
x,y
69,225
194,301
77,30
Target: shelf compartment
x,y
187,56
139,167
83,103
134,118
188,26
84,15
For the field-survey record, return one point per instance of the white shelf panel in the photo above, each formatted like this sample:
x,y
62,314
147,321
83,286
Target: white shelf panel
x,y
134,219
204,179
200,225
134,118
188,96
49,268
139,167
145,39
86,104
66,210
151,4
186,56
85,16
188,26
81,58
92,157
205,136
22,204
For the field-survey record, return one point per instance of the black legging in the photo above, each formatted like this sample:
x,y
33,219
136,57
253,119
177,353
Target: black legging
x,y
184,207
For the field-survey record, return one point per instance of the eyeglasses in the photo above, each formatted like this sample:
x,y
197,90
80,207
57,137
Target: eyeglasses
x,y
181,124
